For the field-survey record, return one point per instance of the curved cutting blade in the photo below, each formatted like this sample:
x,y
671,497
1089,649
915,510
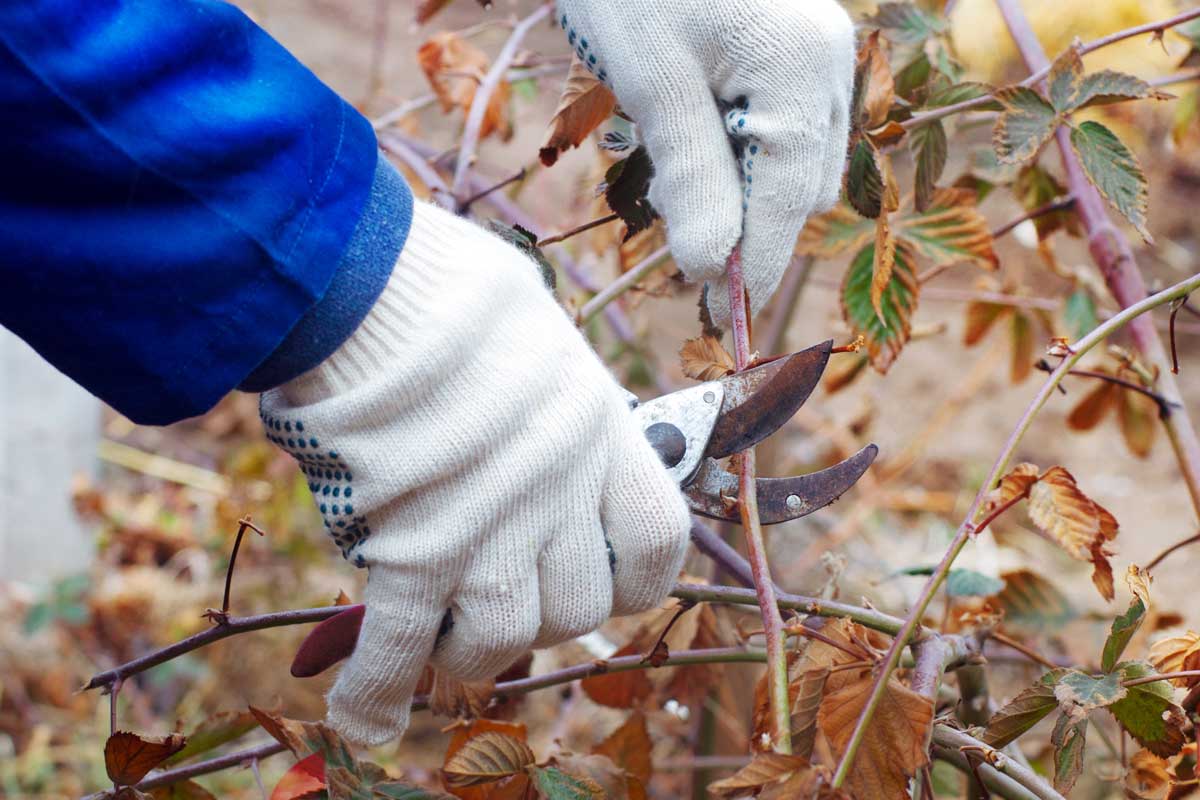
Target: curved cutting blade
x,y
759,401
714,491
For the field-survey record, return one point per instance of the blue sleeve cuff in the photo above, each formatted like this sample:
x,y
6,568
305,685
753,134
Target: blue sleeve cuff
x,y
361,274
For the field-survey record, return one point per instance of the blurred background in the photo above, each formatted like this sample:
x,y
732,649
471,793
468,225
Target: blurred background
x,y
114,538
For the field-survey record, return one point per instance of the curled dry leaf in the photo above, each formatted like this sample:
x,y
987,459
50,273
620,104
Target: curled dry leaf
x,y
516,787
629,747
1013,486
457,700
1082,527
128,757
288,732
704,359
1147,777
585,104
455,67
488,757
1178,653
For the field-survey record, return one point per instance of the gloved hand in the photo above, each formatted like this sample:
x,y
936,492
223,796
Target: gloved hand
x,y
775,76
468,447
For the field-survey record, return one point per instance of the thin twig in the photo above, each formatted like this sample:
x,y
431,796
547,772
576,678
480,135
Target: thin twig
x,y
926,117
465,205
1110,248
1061,204
777,676
1162,676
623,284
945,736
684,607
222,616
483,97
968,527
584,228
1165,406
1177,546
1023,649
1178,304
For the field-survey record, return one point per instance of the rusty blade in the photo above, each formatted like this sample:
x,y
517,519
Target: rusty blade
x,y
714,491
759,401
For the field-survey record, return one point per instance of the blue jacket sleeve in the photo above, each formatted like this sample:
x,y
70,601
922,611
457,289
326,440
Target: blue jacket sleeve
x,y
180,202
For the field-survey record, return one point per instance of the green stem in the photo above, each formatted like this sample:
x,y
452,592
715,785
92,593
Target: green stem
x,y
968,528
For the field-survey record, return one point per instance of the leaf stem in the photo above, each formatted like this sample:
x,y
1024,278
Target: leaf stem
x,y
584,228
1164,676
968,528
777,675
1177,546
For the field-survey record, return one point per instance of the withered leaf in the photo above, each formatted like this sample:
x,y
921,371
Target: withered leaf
x,y
1125,626
1139,418
619,689
488,757
840,229
893,749
1026,123
1094,407
1013,486
1178,653
455,699
1069,741
517,787
288,732
885,263
705,359
886,334
981,316
128,756
455,68
1023,346
874,87
1082,527
764,770
1148,711
1023,712
951,231
1147,777
584,105
629,747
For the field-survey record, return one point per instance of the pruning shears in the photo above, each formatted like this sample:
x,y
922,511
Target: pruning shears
x,y
692,429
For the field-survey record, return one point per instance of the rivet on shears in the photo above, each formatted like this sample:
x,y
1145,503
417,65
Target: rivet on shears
x,y
709,397
794,502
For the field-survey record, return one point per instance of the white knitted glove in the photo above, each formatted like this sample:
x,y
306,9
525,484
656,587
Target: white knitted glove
x,y
468,447
775,76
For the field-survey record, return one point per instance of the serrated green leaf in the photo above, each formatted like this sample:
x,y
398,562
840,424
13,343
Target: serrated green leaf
x,y
929,147
905,23
1036,188
1148,711
526,242
951,231
1079,314
1079,693
1023,712
915,74
558,785
841,228
1026,124
1123,629
1031,602
1063,81
1069,741
1114,171
969,583
1107,87
864,180
962,92
213,732
885,337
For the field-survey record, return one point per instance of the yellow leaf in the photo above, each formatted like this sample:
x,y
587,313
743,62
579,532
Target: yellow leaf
x,y
455,67
704,359
1013,486
584,105
1080,526
1178,654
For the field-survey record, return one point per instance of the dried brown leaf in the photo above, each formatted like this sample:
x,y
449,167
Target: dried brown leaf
x,y
885,262
764,770
1094,407
874,85
485,758
980,319
455,68
288,732
584,105
1079,525
1013,486
893,749
1139,418
128,756
704,359
517,787
1147,777
629,747
453,698
1177,654
620,689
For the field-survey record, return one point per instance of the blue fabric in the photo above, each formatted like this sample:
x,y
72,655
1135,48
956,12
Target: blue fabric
x,y
365,268
176,193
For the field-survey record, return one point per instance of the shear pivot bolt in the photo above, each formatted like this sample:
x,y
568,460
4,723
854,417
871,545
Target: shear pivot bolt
x,y
709,397
794,503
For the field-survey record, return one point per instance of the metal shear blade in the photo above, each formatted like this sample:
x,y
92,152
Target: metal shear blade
x,y
692,428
